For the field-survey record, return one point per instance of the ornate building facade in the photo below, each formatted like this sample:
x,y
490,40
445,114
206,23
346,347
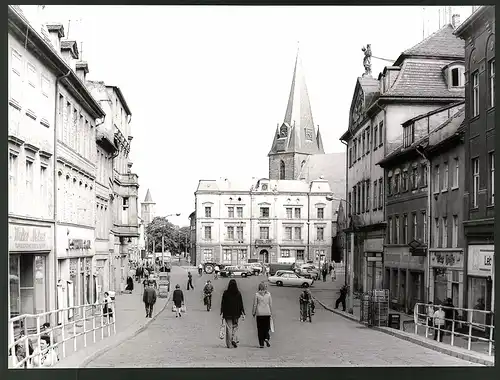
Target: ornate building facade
x,y
274,221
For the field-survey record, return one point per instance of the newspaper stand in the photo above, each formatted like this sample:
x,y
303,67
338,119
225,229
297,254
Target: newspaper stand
x,y
375,308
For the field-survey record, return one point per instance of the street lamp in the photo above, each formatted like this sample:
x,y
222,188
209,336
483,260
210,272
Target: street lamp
x,y
350,259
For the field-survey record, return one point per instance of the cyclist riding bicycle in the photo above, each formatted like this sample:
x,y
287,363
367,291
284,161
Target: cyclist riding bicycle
x,y
306,305
207,295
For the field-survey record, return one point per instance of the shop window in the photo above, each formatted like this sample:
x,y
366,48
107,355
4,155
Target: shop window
x,y
14,285
479,297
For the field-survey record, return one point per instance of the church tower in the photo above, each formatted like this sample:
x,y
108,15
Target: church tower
x,y
148,209
296,138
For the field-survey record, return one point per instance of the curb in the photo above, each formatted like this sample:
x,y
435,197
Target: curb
x,y
444,349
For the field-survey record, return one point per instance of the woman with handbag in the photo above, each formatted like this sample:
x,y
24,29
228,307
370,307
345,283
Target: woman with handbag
x,y
262,311
231,309
178,300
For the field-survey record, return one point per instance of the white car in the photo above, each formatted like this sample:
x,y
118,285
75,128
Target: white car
x,y
235,271
281,272
291,279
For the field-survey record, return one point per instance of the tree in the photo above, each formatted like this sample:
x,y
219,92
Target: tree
x,y
158,228
184,238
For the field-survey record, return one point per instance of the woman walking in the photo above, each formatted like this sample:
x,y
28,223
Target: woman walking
x,y
178,300
262,311
231,309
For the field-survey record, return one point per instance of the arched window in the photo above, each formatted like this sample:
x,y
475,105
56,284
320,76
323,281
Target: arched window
x,y
282,169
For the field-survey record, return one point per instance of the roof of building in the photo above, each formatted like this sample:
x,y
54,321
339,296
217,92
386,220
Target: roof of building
x,y
442,43
298,119
255,185
331,166
423,78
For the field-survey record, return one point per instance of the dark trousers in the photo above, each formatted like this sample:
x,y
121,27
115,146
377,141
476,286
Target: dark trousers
x,y
263,327
342,301
149,309
190,284
324,276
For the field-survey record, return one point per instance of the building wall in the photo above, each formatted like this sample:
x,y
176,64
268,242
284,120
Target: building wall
x,y
274,247
479,144
31,175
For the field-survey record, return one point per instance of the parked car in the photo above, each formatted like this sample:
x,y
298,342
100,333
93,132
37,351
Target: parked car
x,y
282,272
308,270
235,271
251,269
291,279
257,268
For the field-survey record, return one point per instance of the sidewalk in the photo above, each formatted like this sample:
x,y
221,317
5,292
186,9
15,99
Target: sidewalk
x,y
326,293
130,320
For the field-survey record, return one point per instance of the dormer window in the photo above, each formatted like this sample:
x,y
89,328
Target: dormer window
x,y
455,76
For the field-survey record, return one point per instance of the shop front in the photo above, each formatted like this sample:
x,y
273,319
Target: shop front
x,y
406,277
77,282
30,269
447,276
480,279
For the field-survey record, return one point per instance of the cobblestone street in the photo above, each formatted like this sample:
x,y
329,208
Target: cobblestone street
x,y
329,340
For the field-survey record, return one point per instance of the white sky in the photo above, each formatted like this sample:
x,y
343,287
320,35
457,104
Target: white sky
x,y
208,84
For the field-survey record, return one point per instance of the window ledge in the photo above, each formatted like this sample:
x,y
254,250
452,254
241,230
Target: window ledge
x,y
435,193
454,188
474,208
444,191
492,206
474,118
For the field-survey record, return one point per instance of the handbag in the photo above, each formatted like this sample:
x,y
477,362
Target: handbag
x,y
174,309
271,324
222,330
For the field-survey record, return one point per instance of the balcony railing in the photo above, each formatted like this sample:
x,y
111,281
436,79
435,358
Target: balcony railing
x,y
90,317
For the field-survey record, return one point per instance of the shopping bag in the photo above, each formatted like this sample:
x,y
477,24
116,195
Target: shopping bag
x,y
222,330
271,324
183,309
174,309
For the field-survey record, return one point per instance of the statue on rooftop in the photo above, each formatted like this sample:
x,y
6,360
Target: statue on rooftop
x,y
367,60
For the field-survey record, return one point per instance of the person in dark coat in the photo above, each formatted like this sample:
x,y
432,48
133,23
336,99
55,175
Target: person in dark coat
x,y
130,284
190,281
149,299
342,296
178,300
231,309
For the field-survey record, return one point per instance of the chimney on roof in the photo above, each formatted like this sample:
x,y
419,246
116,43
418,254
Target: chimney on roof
x,y
56,32
82,69
455,21
69,52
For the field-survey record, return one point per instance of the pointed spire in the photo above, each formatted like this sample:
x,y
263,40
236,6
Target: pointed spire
x,y
148,198
298,109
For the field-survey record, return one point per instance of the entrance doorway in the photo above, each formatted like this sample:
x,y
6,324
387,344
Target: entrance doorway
x,y
264,256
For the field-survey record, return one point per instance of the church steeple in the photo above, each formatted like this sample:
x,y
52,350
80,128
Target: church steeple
x,y
148,209
296,138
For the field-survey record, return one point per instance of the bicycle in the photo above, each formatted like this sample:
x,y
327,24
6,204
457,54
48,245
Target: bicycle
x,y
208,301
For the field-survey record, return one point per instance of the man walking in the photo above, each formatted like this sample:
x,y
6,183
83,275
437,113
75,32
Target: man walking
x,y
149,299
190,281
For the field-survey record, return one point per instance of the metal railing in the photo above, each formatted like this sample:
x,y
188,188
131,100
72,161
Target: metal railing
x,y
458,327
21,336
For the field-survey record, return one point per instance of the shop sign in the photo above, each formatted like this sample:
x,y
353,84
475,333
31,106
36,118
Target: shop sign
x,y
447,259
480,260
29,238
78,244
